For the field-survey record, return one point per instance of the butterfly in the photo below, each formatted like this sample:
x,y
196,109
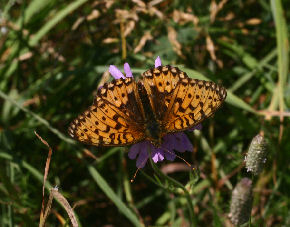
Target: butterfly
x,y
163,101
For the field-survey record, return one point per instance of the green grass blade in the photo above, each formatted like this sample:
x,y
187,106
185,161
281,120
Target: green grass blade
x,y
42,32
246,77
55,20
37,117
282,47
33,8
112,195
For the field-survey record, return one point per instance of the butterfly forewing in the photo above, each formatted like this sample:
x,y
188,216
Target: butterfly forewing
x,y
179,102
111,120
194,101
160,84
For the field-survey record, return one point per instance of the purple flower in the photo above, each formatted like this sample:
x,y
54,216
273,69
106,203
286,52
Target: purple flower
x,y
116,73
171,142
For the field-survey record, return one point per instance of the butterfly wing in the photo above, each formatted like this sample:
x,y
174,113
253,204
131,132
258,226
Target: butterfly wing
x,y
160,84
115,118
178,101
192,102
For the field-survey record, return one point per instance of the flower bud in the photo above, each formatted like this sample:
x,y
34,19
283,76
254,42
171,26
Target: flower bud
x,y
241,204
257,153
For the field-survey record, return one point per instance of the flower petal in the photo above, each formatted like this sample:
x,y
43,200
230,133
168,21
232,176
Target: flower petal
x,y
141,150
115,72
187,145
157,155
177,141
168,146
134,150
169,154
142,157
197,127
127,70
158,62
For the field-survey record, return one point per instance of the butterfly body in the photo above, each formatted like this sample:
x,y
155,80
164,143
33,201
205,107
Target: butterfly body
x,y
151,124
165,100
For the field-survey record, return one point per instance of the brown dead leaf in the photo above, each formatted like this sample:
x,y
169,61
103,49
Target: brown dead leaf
x,y
89,153
77,23
5,54
175,167
172,36
107,3
32,101
182,17
93,15
58,196
25,56
245,31
155,11
47,164
124,15
110,40
228,17
254,21
210,47
147,36
129,27
139,3
215,8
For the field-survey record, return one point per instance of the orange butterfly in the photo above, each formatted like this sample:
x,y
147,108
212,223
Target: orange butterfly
x,y
163,102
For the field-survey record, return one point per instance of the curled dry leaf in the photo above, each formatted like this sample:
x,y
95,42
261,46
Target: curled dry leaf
x,y
154,2
107,3
155,11
123,15
93,15
25,56
129,27
77,23
66,206
253,21
175,167
110,40
46,170
182,17
215,8
245,31
139,3
147,36
172,36
228,17
211,49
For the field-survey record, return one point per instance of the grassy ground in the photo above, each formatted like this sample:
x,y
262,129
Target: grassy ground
x,y
52,58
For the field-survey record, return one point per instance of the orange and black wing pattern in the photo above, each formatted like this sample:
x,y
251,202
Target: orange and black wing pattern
x,y
178,101
115,119
160,84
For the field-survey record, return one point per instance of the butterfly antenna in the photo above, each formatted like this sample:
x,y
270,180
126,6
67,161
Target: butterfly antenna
x,y
187,163
135,174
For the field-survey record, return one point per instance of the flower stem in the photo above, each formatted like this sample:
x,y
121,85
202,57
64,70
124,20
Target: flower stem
x,y
179,185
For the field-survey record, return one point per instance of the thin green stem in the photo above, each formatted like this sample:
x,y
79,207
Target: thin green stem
x,y
179,185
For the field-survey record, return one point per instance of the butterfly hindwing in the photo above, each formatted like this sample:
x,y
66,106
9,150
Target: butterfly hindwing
x,y
110,121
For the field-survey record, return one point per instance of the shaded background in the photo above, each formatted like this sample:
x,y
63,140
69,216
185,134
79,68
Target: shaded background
x,y
53,55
